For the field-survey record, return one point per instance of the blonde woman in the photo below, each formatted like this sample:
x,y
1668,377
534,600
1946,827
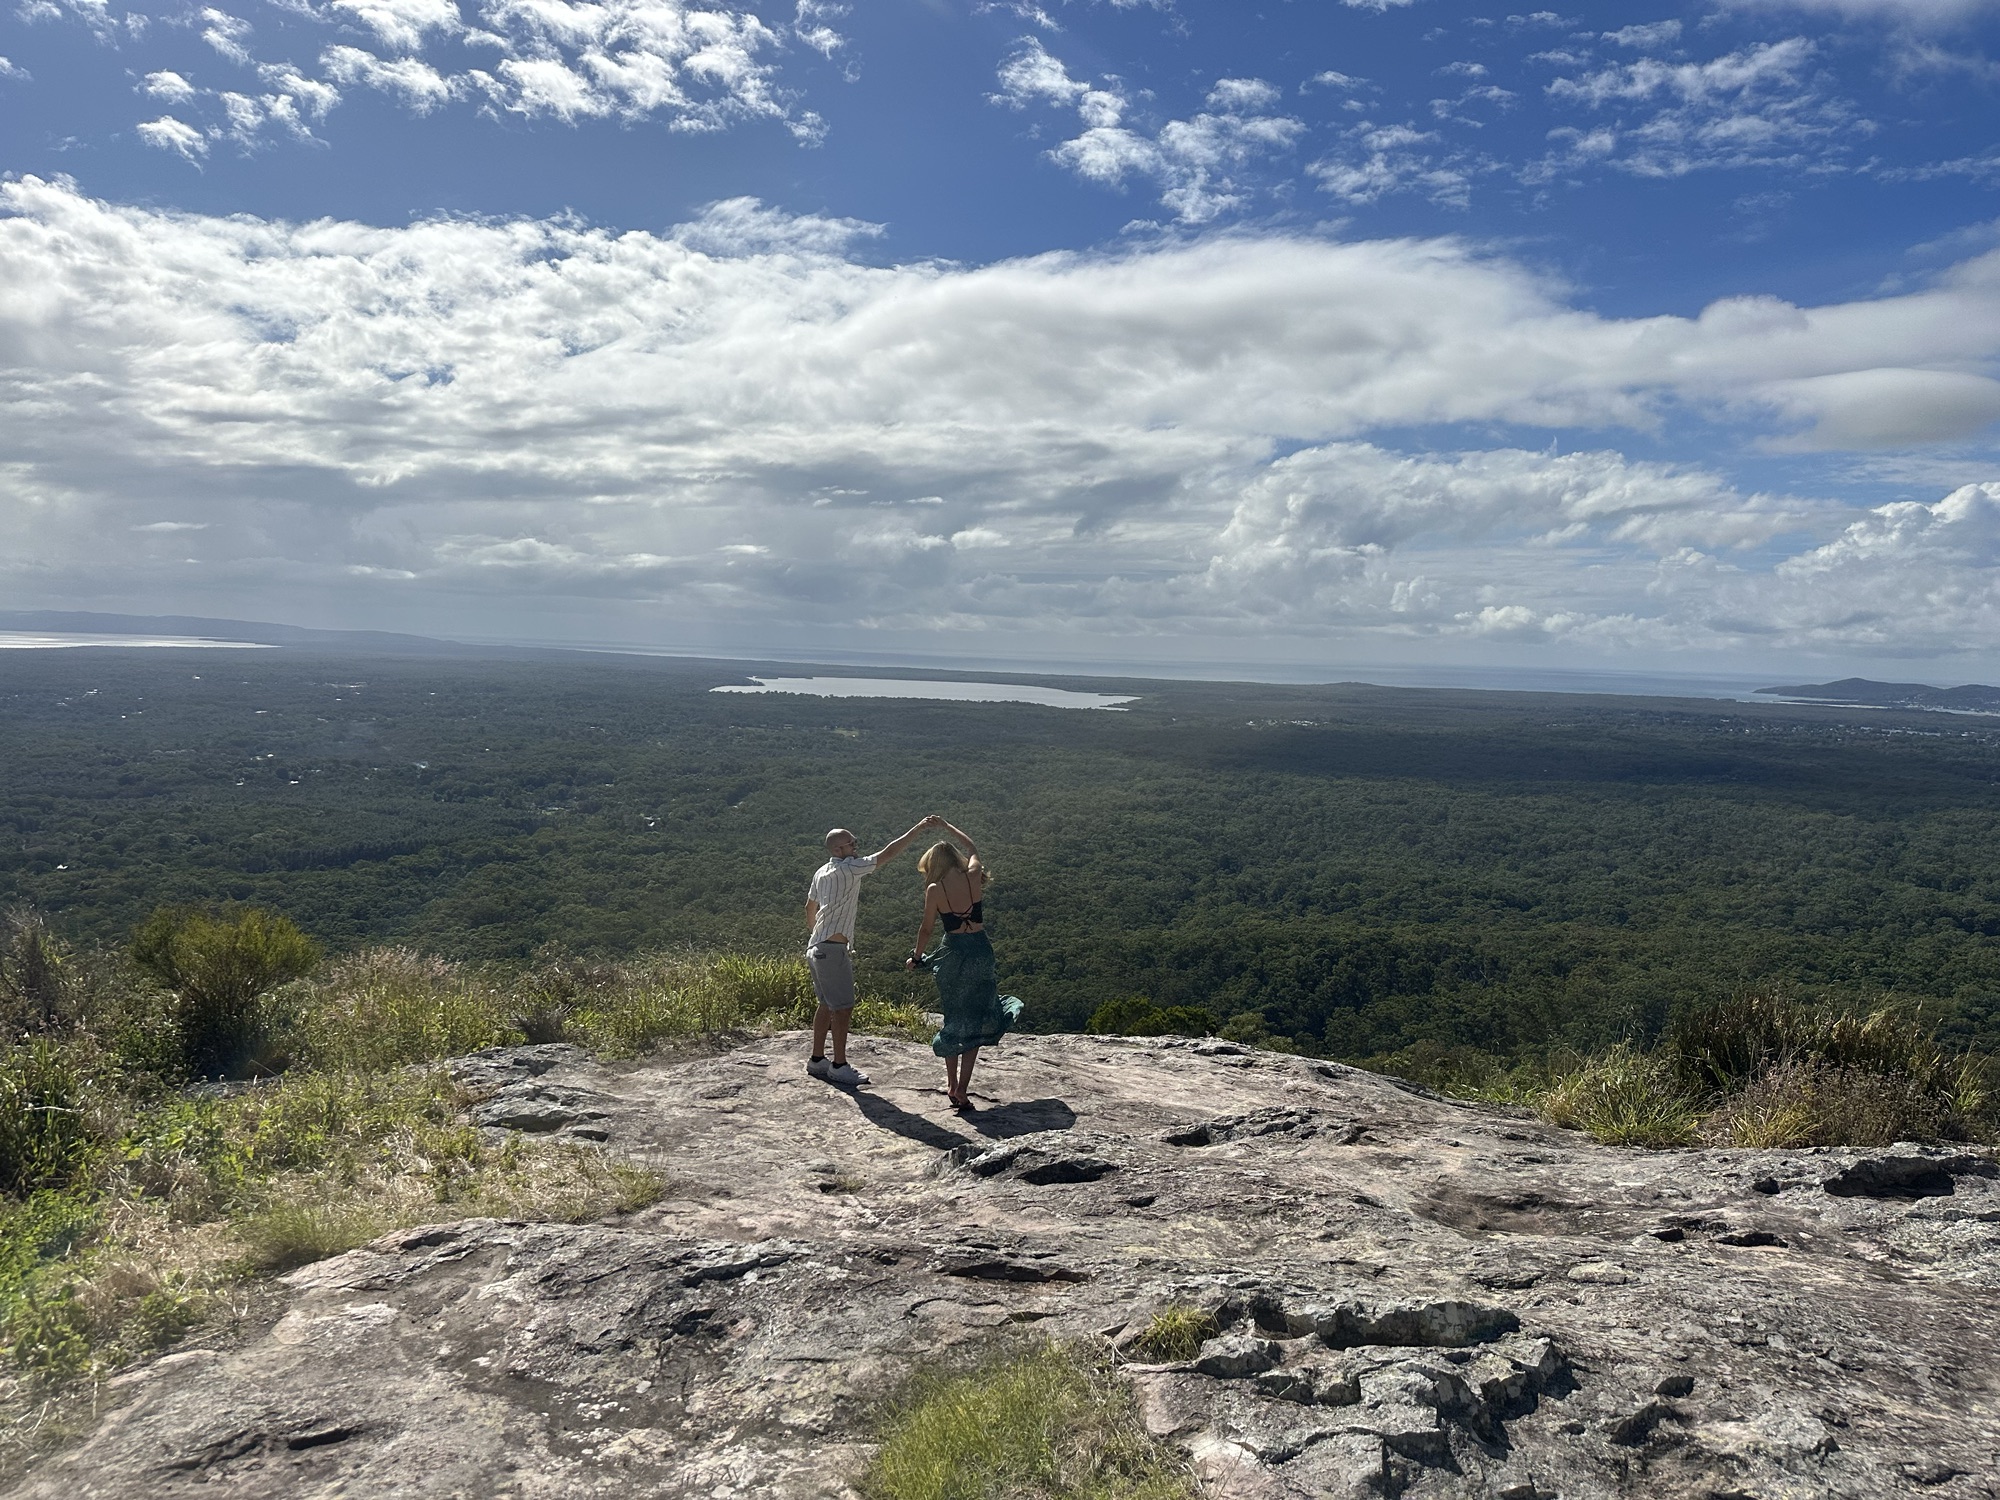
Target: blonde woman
x,y
976,1014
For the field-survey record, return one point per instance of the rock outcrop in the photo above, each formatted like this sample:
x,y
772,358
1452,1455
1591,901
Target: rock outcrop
x,y
1406,1295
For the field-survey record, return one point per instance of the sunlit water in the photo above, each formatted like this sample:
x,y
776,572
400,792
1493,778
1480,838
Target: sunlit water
x,y
947,692
44,640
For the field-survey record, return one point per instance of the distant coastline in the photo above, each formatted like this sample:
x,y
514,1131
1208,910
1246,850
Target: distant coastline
x,y
1860,692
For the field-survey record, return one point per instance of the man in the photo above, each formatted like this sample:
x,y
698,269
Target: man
x,y
831,902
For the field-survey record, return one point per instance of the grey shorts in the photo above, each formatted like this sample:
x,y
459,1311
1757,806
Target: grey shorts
x,y
832,968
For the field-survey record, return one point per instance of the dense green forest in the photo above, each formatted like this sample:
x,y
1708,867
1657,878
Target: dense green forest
x,y
1352,868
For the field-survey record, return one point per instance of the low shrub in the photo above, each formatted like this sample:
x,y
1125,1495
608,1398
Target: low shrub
x,y
1815,1103
47,1134
1721,1047
37,983
1044,1422
221,969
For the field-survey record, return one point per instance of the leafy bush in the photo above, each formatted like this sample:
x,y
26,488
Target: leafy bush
x,y
47,1136
1047,1422
1135,1015
220,970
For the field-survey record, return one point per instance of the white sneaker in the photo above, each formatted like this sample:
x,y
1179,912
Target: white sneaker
x,y
819,1067
846,1075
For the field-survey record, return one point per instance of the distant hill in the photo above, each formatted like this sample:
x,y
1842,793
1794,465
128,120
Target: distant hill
x,y
1971,698
258,632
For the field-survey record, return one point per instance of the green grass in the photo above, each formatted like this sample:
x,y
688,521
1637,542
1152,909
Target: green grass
x,y
131,1206
1043,1422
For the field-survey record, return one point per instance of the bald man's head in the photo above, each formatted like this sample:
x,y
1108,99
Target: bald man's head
x,y
839,842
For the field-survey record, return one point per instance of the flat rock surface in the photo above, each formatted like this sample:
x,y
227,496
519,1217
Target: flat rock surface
x,y
1410,1295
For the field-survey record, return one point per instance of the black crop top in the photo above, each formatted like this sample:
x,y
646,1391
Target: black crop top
x,y
953,920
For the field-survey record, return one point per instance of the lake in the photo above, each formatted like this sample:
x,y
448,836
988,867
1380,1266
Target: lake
x,y
945,692
44,640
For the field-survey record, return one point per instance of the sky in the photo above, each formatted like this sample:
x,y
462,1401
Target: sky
x,y
1156,332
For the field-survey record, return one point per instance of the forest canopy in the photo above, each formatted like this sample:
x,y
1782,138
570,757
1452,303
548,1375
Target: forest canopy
x,y
1345,869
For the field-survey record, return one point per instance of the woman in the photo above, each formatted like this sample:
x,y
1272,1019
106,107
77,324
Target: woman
x,y
976,1014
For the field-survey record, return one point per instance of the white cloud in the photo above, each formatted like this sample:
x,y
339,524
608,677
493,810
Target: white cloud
x,y
1371,161
1763,106
746,226
415,82
226,34
1888,408
9,69
694,67
402,24
1647,38
1192,161
168,87
1915,13
169,134
1186,437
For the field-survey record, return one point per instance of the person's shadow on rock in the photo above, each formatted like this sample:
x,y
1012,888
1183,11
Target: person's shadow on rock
x,y
880,1112
1024,1117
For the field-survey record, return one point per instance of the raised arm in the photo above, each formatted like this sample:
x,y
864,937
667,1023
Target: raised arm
x,y
897,845
971,849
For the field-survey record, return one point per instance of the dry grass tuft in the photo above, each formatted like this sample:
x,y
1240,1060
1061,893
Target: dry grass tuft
x,y
1622,1098
1044,1422
1175,1334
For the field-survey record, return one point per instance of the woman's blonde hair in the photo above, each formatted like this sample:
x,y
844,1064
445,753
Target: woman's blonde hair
x,y
941,857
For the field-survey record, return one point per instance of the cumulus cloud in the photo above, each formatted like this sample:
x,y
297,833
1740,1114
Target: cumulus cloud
x,y
738,423
1194,162
9,69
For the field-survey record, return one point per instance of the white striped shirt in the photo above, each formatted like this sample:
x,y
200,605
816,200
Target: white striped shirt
x,y
836,886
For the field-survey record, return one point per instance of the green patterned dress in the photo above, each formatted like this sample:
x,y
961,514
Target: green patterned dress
x,y
976,1014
